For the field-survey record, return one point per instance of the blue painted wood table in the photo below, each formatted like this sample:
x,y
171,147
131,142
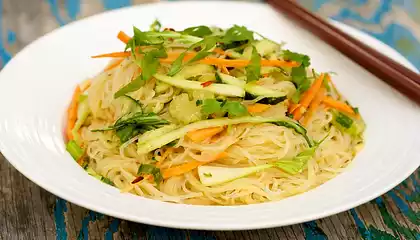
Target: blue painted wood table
x,y
29,212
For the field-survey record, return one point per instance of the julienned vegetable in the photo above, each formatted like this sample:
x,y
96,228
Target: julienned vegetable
x,y
221,89
178,133
180,113
75,150
210,175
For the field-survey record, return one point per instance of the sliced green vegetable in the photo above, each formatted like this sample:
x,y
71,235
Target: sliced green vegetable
x,y
156,133
349,125
75,150
164,139
210,175
221,89
194,70
225,78
265,47
83,112
257,90
184,110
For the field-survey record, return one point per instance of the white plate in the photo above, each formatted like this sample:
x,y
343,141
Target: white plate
x,y
36,86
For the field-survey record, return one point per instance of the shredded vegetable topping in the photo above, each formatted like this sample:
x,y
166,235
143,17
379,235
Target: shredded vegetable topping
x,y
210,116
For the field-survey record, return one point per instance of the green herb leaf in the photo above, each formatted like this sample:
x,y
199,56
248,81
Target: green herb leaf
x,y
134,85
253,70
155,26
150,62
126,133
132,124
198,102
211,106
198,31
304,60
208,174
237,33
151,169
235,109
302,82
177,65
343,120
144,39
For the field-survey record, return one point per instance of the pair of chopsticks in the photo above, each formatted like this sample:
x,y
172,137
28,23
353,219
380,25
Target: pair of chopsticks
x,y
396,75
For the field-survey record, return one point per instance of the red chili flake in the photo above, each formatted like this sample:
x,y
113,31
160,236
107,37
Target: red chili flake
x,y
206,84
138,179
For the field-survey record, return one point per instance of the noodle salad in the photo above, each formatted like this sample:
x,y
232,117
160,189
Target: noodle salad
x,y
211,116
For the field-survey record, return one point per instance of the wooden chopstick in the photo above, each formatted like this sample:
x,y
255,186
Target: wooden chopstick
x,y
396,75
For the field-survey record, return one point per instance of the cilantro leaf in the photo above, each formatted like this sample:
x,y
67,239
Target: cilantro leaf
x,y
207,44
253,70
151,169
134,85
155,26
149,65
235,109
198,31
304,60
211,106
237,33
300,79
177,65
150,62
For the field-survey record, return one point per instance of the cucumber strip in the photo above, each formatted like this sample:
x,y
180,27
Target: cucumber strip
x,y
164,139
231,80
155,133
220,89
258,90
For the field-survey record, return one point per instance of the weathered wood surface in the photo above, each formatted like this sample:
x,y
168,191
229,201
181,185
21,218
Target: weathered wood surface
x,y
29,212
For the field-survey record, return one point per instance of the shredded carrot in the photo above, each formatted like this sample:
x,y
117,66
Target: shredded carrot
x,y
307,97
72,113
243,63
114,65
314,105
224,70
340,106
187,167
210,61
85,85
202,134
123,37
257,108
293,107
113,55
266,75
